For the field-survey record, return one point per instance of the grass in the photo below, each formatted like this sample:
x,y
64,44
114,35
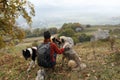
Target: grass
x,y
92,29
102,63
99,67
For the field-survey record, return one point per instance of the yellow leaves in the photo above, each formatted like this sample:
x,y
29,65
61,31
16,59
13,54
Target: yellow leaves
x,y
12,10
9,32
17,8
20,34
26,16
31,6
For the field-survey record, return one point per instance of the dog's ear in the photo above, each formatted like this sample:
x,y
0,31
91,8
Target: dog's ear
x,y
23,51
62,40
59,42
24,54
54,40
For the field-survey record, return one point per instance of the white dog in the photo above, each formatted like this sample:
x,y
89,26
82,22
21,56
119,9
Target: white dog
x,y
67,41
70,54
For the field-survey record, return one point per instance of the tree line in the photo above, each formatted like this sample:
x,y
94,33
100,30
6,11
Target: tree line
x,y
37,32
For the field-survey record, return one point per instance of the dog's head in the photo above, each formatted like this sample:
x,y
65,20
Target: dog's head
x,y
56,41
63,40
59,41
66,41
26,54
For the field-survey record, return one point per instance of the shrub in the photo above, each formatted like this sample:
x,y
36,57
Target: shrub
x,y
84,38
67,32
75,39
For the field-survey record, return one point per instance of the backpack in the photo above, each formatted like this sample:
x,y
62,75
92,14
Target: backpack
x,y
43,58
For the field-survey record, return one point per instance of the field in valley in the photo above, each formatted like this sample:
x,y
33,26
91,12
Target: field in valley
x,y
102,62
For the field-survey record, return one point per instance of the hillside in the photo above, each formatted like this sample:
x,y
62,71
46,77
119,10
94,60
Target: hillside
x,y
92,29
102,63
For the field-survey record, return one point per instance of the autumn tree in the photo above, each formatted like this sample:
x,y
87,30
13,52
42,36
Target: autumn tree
x,y
10,10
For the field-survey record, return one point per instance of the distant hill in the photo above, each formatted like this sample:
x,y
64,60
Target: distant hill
x,y
58,22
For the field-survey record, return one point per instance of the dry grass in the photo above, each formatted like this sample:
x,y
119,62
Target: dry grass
x,y
102,64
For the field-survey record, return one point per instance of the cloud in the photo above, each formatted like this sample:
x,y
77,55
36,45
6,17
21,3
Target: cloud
x,y
96,6
76,2
86,11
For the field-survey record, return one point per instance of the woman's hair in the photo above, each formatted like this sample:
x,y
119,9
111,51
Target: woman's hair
x,y
47,35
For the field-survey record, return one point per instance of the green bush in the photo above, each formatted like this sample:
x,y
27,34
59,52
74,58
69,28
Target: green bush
x,y
67,32
75,39
84,38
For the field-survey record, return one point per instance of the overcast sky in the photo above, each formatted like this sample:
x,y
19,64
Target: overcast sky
x,y
72,3
79,5
83,11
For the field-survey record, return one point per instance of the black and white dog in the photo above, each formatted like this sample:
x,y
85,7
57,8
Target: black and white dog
x,y
32,54
56,41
